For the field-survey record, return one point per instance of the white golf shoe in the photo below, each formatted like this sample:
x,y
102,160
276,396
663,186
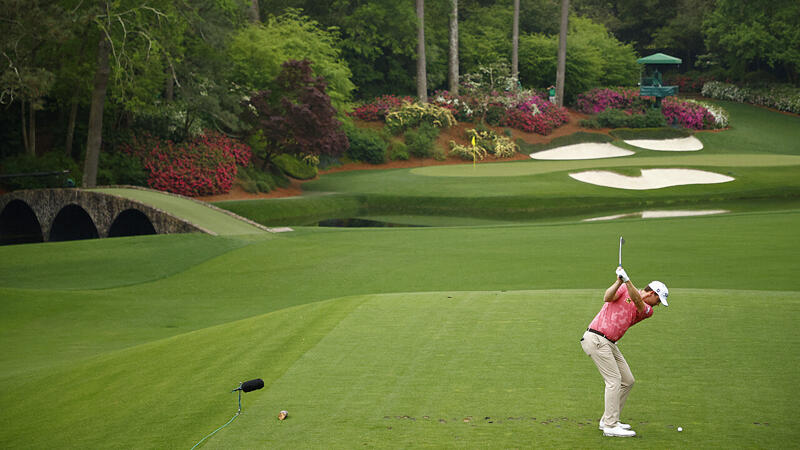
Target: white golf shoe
x,y
624,426
618,431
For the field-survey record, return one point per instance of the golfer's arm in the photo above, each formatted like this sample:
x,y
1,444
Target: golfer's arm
x,y
612,291
634,293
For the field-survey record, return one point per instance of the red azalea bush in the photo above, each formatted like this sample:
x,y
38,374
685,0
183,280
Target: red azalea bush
x,y
205,165
688,82
379,107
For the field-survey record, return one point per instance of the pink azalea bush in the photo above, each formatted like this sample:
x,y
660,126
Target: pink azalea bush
x,y
677,112
600,99
206,165
536,115
687,114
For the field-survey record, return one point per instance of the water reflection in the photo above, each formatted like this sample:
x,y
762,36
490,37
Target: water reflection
x,y
361,223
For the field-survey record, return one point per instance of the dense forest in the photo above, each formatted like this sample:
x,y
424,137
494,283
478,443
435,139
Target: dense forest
x,y
79,78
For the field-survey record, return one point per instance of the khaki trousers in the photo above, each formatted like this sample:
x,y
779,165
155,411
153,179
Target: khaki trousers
x,y
615,371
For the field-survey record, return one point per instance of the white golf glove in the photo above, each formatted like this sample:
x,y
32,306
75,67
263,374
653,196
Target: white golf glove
x,y
622,275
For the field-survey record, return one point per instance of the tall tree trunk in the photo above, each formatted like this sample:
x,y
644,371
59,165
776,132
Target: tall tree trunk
x,y
515,43
453,60
422,74
255,16
24,126
562,53
73,115
31,129
95,134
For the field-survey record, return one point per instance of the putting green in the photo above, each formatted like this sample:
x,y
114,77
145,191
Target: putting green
x,y
521,168
198,213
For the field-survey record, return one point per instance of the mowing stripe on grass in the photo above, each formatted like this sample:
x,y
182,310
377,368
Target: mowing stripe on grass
x,y
432,369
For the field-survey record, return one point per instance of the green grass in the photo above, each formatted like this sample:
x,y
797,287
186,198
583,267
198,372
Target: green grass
x,y
392,337
754,130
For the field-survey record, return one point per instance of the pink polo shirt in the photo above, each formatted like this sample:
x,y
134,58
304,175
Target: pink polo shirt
x,y
617,316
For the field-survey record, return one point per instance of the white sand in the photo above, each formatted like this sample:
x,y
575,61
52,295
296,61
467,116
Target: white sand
x,y
279,230
687,144
660,214
582,151
650,178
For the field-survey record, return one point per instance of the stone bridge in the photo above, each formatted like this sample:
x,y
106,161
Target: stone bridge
x,y
42,215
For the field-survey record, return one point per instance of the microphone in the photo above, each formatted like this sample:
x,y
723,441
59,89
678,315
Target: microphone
x,y
250,385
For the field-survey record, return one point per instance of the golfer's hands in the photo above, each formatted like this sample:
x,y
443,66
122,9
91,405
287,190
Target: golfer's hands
x,y
622,275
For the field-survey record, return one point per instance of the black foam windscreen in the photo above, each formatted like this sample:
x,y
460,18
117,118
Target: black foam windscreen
x,y
252,385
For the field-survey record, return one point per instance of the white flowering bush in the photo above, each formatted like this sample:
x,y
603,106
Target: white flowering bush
x,y
780,97
721,117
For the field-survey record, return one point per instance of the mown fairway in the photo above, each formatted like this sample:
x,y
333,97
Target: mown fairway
x,y
491,330
454,336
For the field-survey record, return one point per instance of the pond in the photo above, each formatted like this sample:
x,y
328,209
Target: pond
x,y
354,222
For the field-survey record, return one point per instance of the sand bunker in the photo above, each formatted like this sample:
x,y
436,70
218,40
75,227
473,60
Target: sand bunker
x,y
582,151
650,178
687,144
660,214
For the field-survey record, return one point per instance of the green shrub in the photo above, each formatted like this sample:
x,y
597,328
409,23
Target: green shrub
x,y
50,162
615,118
328,161
295,168
422,141
589,123
398,152
651,133
365,145
594,58
252,179
495,114
121,168
413,115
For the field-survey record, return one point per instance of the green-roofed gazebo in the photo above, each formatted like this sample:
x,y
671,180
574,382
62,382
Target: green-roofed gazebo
x,y
651,83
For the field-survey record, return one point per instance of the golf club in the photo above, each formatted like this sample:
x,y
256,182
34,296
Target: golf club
x,y
621,241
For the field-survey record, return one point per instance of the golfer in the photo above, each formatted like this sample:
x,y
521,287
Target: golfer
x,y
624,306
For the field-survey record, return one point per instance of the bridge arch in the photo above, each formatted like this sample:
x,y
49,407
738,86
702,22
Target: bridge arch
x,y
19,225
73,213
73,223
131,222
